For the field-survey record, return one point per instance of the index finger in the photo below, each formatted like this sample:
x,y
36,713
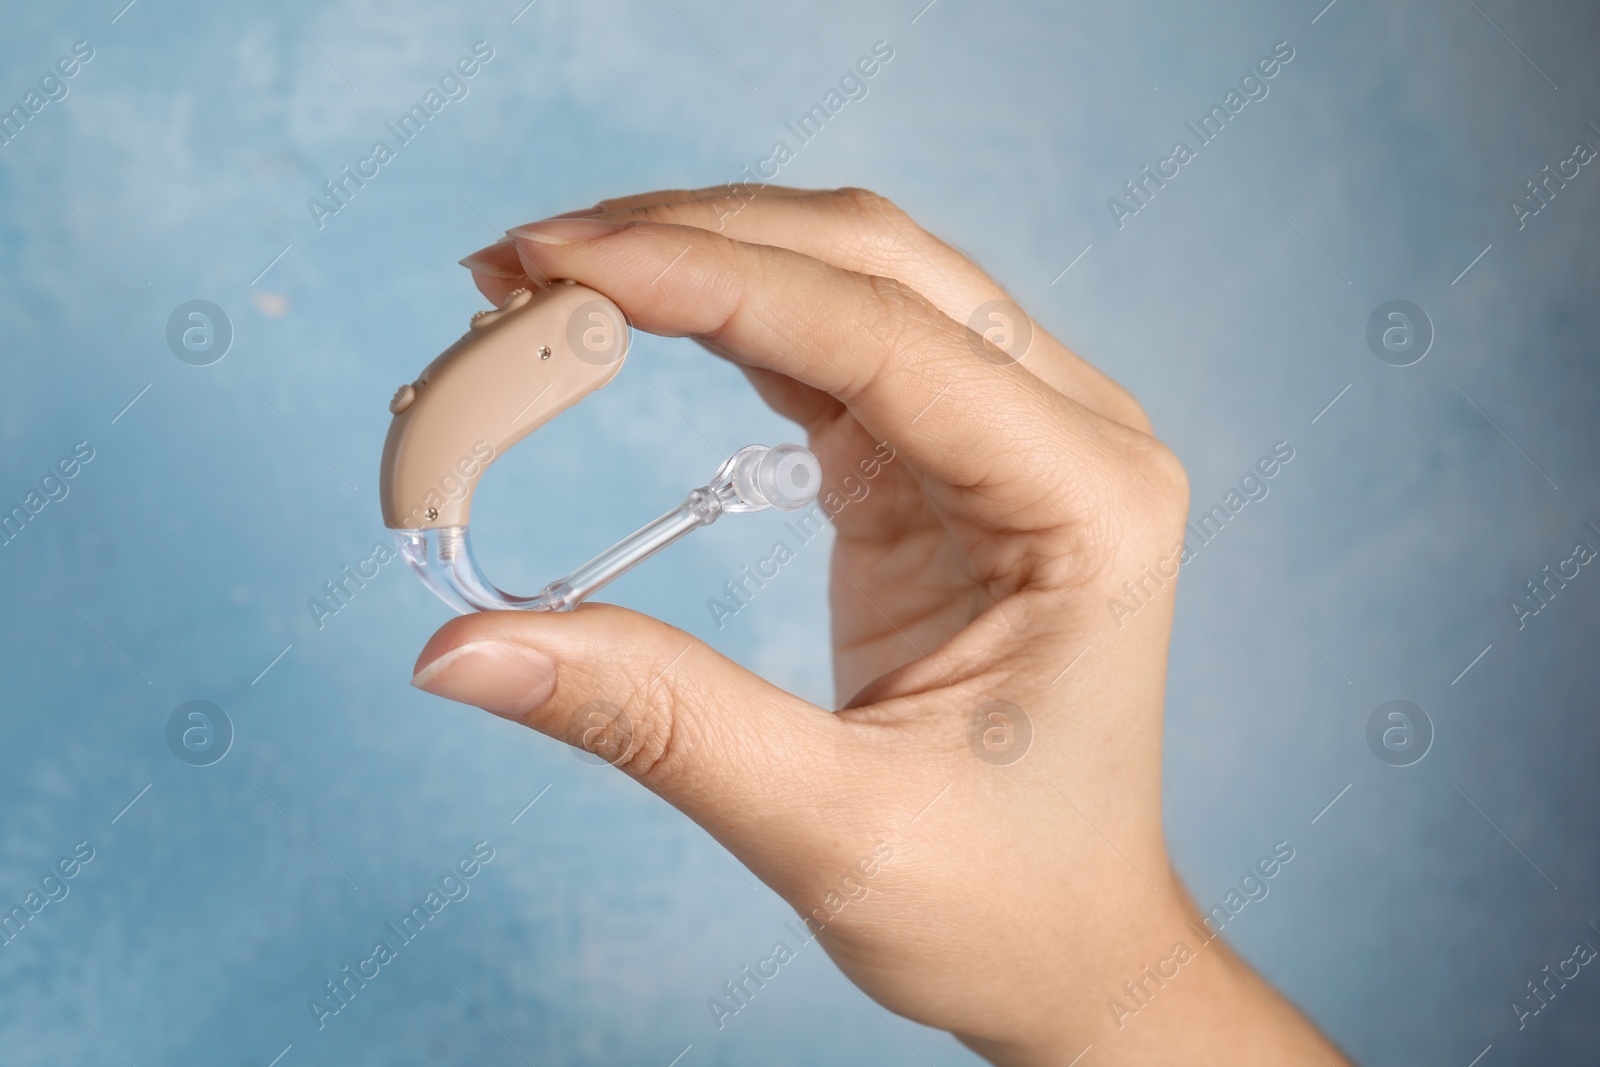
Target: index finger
x,y
957,407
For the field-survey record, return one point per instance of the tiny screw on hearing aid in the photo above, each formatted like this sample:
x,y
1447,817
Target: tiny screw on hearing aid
x,y
471,404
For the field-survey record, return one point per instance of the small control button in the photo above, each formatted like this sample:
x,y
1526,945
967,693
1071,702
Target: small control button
x,y
513,301
403,397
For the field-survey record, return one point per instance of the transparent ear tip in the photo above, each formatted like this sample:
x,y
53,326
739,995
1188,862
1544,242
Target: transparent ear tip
x,y
788,477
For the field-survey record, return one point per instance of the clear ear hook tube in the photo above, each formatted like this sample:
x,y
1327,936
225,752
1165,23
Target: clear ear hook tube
x,y
753,479
535,356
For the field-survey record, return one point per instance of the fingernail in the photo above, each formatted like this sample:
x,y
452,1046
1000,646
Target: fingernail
x,y
598,209
508,679
493,260
560,231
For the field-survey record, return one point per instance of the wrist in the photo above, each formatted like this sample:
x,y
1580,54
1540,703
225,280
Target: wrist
x,y
1121,934
1157,986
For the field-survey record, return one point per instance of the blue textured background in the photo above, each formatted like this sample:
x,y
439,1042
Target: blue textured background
x,y
182,160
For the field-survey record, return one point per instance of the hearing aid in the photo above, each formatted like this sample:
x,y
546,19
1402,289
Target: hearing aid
x,y
517,367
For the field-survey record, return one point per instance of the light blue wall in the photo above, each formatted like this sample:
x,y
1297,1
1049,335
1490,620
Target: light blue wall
x,y
1379,566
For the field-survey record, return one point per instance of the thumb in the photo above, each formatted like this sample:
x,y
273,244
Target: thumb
x,y
724,746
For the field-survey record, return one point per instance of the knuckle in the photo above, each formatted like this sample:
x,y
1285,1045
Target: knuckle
x,y
896,321
714,209
895,302
651,752
1129,411
671,212
865,199
873,211
730,273
1135,491
1165,482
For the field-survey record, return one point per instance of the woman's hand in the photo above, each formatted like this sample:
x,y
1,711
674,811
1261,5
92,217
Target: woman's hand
x,y
977,834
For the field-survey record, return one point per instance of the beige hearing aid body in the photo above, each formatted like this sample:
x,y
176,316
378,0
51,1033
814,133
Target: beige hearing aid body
x,y
516,368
